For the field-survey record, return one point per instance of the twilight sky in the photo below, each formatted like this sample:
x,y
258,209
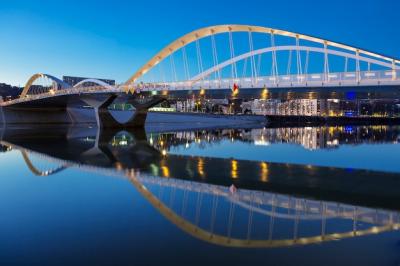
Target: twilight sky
x,y
111,39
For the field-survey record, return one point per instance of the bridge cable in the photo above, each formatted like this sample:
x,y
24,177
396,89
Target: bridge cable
x,y
358,65
232,53
259,64
250,219
214,212
230,220
323,220
198,206
272,218
185,63
298,60
244,71
326,62
296,222
162,73
252,62
306,64
288,69
274,61
215,56
173,70
199,58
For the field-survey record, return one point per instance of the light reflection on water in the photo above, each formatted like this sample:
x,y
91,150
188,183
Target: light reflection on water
x,y
360,147
64,192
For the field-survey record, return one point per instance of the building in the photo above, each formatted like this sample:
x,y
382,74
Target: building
x,y
9,92
74,80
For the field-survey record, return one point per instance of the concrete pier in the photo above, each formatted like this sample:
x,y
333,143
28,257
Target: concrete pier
x,y
77,116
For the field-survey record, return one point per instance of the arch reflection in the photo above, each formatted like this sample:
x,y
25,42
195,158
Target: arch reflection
x,y
275,205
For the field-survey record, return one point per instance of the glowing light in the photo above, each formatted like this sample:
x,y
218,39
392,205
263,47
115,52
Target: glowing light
x,y
154,169
165,171
164,152
264,171
234,169
202,92
118,166
200,167
264,93
261,143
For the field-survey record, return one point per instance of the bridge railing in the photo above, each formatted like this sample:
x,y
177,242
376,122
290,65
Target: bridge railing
x,y
68,91
368,78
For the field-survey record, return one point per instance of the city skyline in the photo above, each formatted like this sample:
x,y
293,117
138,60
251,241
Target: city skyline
x,y
73,38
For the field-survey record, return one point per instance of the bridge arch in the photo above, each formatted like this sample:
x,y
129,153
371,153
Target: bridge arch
x,y
38,172
219,239
95,81
222,240
213,30
36,76
287,48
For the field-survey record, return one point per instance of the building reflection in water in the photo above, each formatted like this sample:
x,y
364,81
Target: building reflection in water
x,y
311,138
275,205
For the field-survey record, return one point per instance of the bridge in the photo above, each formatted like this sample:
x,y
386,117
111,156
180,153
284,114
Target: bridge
x,y
230,58
200,203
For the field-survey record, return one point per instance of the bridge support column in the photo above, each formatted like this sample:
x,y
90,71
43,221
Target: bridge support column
x,y
105,119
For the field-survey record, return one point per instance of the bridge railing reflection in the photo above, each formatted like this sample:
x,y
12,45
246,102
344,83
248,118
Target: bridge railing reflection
x,y
259,219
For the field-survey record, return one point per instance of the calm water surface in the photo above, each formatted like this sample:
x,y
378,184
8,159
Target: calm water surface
x,y
264,196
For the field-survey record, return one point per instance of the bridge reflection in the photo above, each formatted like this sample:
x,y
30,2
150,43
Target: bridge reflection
x,y
275,204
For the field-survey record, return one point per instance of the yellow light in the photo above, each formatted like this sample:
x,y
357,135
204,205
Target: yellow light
x,y
200,167
118,166
234,169
165,171
264,171
164,152
52,92
202,91
264,93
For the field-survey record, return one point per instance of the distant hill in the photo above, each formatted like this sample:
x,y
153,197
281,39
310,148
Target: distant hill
x,y
7,90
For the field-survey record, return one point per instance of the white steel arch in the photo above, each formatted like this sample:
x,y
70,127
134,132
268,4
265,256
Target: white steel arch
x,y
213,30
36,76
287,48
96,81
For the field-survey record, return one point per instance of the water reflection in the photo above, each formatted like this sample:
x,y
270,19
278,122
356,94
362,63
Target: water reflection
x,y
274,205
311,138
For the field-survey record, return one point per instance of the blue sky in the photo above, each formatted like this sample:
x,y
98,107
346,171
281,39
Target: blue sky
x,y
111,39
